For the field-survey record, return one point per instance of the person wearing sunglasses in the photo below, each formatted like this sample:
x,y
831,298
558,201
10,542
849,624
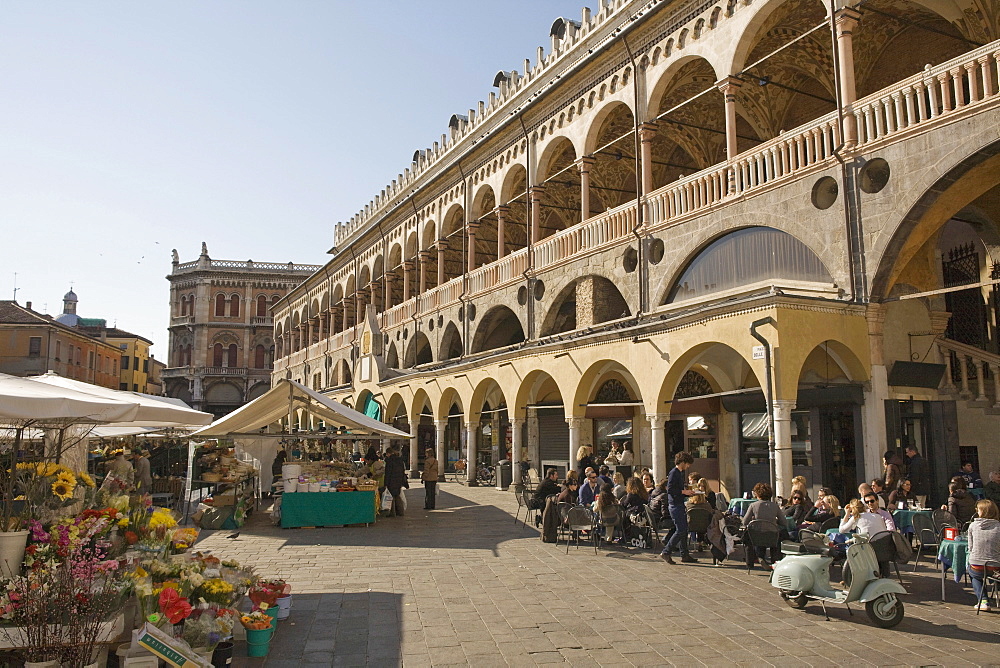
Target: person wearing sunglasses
x,y
589,488
869,521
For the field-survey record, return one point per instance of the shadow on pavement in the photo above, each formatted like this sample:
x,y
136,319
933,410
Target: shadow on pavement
x,y
336,629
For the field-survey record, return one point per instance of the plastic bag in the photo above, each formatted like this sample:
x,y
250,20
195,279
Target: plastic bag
x,y
386,501
402,501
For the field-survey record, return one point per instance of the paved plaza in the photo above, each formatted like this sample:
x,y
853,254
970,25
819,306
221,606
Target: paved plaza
x,y
463,585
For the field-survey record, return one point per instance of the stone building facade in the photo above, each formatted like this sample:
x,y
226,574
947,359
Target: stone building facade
x,y
221,330
611,245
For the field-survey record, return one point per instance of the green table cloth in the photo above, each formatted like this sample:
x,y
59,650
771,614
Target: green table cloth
x,y
954,554
324,509
904,518
739,506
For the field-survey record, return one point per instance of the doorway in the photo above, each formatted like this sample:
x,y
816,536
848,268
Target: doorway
x,y
840,459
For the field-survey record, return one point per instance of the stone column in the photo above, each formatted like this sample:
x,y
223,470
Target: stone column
x,y
309,333
502,212
346,313
729,86
873,412
517,442
472,227
414,451
439,427
359,306
575,425
422,258
374,288
584,164
471,429
442,246
783,446
390,281
535,193
647,131
407,270
845,20
656,424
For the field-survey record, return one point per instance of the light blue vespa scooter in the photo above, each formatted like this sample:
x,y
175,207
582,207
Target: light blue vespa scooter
x,y
804,573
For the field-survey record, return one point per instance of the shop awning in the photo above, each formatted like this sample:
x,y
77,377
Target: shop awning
x,y
24,399
289,395
153,412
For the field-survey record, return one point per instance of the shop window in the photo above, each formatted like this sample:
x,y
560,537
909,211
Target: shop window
x,y
754,439
702,437
748,256
34,346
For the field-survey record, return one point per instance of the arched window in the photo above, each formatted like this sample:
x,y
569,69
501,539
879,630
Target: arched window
x,y
258,357
745,257
220,305
269,361
234,306
231,355
217,354
262,306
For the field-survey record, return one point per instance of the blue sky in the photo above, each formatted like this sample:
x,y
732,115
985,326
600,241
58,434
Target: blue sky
x,y
132,128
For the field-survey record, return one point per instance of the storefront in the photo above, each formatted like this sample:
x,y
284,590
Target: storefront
x,y
494,437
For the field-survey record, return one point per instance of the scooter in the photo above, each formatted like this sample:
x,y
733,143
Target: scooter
x,y
804,574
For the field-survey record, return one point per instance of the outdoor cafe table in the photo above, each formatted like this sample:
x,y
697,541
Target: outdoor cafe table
x,y
739,506
324,509
904,518
953,554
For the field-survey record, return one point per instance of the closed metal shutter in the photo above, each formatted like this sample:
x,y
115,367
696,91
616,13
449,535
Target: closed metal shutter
x,y
553,434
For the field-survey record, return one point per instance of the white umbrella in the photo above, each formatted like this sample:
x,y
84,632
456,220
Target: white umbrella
x,y
154,412
26,399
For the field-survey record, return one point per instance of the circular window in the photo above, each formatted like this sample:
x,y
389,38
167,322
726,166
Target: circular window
x,y
630,259
824,192
539,290
430,324
522,295
472,311
874,175
656,251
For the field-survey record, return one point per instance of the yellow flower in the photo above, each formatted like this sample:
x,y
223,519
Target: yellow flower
x,y
66,477
123,522
85,478
61,490
162,518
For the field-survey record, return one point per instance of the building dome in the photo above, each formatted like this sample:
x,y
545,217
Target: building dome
x,y
70,296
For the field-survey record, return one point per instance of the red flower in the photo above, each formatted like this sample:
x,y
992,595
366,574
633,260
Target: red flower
x,y
173,606
131,537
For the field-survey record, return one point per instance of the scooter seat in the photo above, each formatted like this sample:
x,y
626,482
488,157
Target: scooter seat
x,y
791,547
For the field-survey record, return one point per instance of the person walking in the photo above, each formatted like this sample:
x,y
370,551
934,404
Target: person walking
x,y
121,469
892,471
917,473
143,476
676,497
395,478
430,478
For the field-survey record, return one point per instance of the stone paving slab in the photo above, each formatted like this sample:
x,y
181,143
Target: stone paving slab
x,y
465,585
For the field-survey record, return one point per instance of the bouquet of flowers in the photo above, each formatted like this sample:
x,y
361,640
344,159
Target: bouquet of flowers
x,y
183,539
256,619
208,625
268,591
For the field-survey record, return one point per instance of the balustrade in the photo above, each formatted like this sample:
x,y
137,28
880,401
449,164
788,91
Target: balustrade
x,y
983,363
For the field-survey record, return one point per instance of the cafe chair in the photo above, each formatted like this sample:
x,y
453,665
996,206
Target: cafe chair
x,y
884,545
563,509
760,534
665,524
526,498
520,504
698,521
609,522
923,531
991,584
942,519
578,520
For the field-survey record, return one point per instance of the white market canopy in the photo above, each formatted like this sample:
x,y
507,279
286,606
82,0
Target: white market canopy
x,y
153,412
287,396
24,399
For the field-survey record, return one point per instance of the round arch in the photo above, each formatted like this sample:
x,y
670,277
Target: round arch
x,y
594,377
487,388
451,343
499,327
421,402
451,397
418,351
538,386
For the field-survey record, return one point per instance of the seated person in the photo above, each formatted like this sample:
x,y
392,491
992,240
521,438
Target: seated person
x,y
961,504
826,507
992,488
659,501
699,501
867,517
767,510
619,485
797,508
984,546
605,506
647,481
903,494
799,485
569,493
548,487
702,485
864,489
878,486
970,476
635,498
604,473
590,488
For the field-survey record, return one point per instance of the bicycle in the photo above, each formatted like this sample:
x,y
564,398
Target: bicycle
x,y
486,475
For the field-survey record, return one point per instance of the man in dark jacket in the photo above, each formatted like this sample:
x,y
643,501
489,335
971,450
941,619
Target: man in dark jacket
x,y
917,473
677,496
546,488
395,478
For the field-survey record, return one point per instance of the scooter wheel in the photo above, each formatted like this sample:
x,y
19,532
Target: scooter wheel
x,y
795,599
885,611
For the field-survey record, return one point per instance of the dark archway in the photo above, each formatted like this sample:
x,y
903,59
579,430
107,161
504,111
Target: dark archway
x,y
418,351
451,343
499,328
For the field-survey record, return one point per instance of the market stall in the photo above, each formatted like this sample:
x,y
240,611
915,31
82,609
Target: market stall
x,y
320,485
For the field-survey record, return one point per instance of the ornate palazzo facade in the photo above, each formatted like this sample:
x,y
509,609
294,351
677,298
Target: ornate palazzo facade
x,y
616,242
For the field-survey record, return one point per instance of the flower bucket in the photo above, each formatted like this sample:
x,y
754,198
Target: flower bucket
x,y
12,544
258,641
223,654
284,606
53,663
291,484
272,612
